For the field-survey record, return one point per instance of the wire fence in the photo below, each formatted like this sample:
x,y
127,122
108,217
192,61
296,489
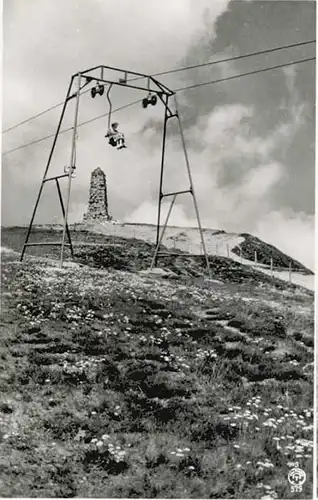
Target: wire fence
x,y
226,250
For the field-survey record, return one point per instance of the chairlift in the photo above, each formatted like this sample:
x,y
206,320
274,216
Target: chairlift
x,y
98,89
115,138
150,99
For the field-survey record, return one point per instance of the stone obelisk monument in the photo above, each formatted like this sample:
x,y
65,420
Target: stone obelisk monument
x,y
97,202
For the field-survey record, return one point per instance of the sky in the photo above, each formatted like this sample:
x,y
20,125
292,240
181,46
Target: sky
x,y
250,140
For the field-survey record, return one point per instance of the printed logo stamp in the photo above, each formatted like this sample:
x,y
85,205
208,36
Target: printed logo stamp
x,y
296,478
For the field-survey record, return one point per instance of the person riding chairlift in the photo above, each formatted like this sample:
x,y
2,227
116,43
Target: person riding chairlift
x,y
116,138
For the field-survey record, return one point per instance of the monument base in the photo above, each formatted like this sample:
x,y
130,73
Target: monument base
x,y
97,218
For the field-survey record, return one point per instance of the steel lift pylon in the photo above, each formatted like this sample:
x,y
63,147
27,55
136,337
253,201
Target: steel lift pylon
x,y
133,80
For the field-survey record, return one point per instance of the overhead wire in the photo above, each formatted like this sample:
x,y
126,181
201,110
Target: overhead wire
x,y
71,128
168,72
248,73
181,89
233,58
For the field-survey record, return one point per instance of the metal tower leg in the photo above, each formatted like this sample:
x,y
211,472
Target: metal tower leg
x,y
162,166
192,187
63,213
65,228
46,169
154,259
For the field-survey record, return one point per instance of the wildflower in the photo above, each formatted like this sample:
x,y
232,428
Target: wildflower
x,y
268,465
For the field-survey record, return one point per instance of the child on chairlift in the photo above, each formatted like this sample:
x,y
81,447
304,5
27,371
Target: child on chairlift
x,y
116,138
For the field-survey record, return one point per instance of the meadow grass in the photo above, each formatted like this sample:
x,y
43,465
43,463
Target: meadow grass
x,y
118,384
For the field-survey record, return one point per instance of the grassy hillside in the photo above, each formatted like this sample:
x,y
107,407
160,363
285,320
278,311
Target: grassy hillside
x,y
117,382
265,252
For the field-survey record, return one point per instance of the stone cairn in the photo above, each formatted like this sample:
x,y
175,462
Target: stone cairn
x,y
97,203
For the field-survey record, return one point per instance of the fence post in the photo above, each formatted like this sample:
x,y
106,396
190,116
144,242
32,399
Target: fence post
x,y
228,251
255,256
290,273
271,265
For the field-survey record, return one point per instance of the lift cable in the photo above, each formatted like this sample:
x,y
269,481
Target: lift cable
x,y
168,72
181,89
71,128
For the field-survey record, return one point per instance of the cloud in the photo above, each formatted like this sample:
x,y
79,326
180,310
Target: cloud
x,y
292,104
259,181
293,233
57,39
147,213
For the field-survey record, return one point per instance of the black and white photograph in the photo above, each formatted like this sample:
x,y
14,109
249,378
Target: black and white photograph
x,y
157,326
